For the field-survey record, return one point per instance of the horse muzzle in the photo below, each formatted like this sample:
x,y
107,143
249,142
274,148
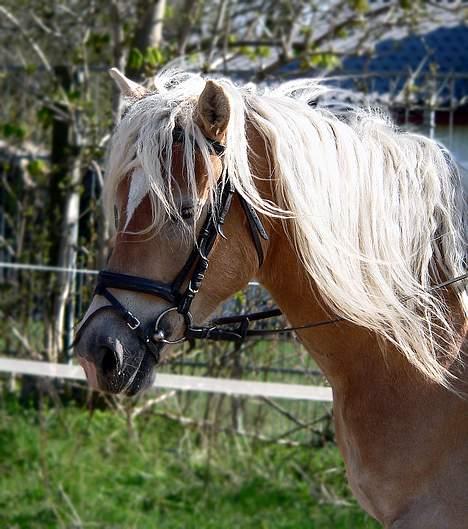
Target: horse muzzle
x,y
113,358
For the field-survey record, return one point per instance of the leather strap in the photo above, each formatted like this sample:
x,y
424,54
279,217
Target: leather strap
x,y
107,279
256,227
178,136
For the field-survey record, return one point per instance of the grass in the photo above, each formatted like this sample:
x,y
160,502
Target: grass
x,y
64,467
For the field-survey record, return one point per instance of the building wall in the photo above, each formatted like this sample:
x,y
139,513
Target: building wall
x,y
457,142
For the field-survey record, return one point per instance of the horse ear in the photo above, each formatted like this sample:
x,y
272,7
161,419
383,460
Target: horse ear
x,y
128,87
213,110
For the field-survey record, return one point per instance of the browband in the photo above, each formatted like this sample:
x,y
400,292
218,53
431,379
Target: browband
x,y
178,136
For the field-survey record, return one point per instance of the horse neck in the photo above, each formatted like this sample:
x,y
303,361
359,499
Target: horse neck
x,y
285,278
340,349
346,353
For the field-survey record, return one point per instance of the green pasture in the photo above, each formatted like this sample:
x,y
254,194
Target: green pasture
x,y
67,466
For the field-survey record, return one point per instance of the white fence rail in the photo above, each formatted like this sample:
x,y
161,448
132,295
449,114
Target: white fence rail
x,y
46,268
58,269
180,382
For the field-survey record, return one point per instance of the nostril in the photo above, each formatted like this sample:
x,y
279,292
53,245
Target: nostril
x,y
109,361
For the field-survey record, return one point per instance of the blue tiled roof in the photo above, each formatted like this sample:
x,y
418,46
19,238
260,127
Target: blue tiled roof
x,y
445,48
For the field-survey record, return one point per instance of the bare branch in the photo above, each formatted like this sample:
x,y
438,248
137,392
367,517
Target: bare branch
x,y
324,37
152,402
34,45
209,425
284,412
217,29
23,339
40,23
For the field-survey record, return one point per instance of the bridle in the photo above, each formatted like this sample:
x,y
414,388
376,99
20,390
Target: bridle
x,y
193,273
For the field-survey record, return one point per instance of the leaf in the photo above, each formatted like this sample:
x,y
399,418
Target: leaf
x,y
324,60
37,168
135,59
360,5
342,33
240,296
45,116
14,130
249,52
74,95
98,42
154,57
30,69
263,51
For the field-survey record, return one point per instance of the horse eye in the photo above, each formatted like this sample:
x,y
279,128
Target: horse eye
x,y
187,212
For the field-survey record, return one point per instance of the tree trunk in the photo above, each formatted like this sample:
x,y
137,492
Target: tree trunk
x,y
64,210
67,259
118,53
148,33
189,15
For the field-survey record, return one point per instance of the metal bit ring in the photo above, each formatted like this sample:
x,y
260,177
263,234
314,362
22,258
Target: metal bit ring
x,y
159,334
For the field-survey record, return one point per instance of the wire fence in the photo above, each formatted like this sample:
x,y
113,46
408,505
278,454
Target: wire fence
x,y
214,387
14,274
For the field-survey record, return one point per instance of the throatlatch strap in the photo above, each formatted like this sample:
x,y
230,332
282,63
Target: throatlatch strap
x,y
256,227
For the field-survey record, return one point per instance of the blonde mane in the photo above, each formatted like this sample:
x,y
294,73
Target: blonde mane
x,y
375,214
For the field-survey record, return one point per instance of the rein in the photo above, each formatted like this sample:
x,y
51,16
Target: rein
x,y
194,271
213,332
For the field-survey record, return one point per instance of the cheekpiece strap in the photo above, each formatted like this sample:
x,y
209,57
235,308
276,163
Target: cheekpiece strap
x,y
178,136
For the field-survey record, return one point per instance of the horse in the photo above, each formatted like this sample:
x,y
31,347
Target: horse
x,y
340,216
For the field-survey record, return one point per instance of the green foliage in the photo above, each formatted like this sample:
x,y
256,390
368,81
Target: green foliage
x,y
240,297
37,168
255,52
341,32
150,60
74,95
69,468
263,51
31,69
154,57
135,59
98,42
321,60
362,6
13,130
44,116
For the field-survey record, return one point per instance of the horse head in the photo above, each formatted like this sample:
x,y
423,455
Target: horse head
x,y
173,200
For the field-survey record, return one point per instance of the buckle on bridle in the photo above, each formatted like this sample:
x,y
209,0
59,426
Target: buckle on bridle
x,y
191,289
132,321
